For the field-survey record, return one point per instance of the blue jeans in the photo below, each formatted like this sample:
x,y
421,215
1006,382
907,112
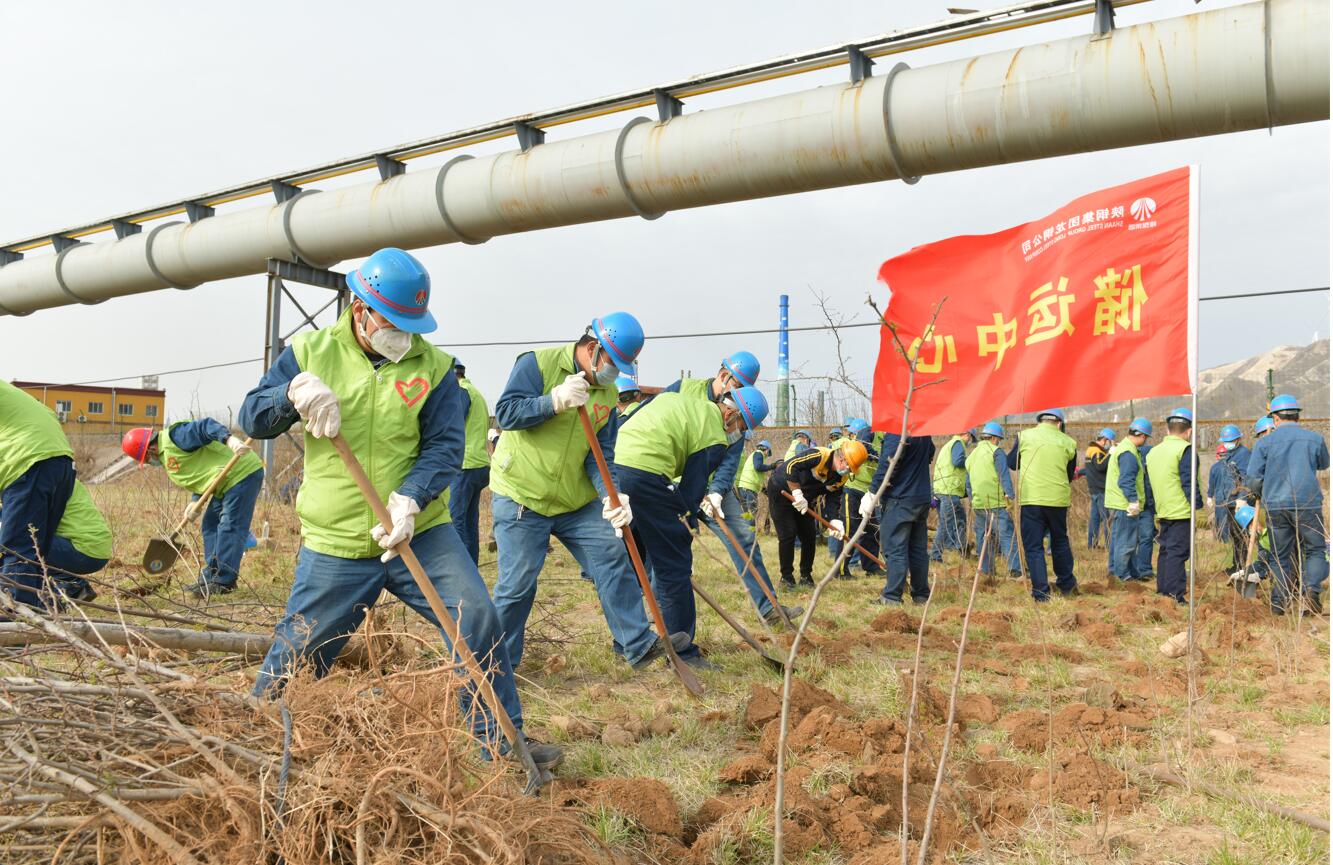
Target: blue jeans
x,y
903,547
1147,535
851,520
1299,542
1098,522
30,509
522,537
749,500
664,541
330,597
1001,538
743,530
951,530
465,506
226,526
1038,521
1123,553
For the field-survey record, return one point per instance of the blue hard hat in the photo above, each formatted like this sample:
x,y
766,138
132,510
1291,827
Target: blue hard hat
x,y
1058,413
1230,433
752,404
395,285
804,432
1142,426
993,429
765,444
458,363
1181,413
1284,402
856,424
1244,515
837,430
1106,433
1263,425
743,365
626,382
621,336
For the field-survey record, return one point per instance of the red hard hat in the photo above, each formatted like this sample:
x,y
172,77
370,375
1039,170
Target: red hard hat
x,y
135,443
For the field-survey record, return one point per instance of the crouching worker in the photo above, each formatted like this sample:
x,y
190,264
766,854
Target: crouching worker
x,y
395,400
679,436
193,452
807,478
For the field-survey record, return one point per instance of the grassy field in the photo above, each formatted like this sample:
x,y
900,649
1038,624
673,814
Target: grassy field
x,y
1065,704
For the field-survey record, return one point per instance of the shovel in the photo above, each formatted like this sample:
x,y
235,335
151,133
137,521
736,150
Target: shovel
x,y
162,553
684,673
737,627
825,523
537,776
754,572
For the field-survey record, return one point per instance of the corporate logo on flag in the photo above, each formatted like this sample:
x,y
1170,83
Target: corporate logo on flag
x,y
1090,220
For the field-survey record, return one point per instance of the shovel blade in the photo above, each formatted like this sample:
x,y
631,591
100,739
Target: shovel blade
x,y
160,556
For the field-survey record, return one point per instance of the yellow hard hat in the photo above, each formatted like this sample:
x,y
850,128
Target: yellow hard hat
x,y
854,452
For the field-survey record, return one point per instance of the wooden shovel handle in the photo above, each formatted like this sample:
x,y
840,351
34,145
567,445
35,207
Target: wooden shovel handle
x,y
825,523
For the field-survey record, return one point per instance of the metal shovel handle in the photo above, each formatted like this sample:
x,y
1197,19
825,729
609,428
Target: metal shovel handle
x,y
537,777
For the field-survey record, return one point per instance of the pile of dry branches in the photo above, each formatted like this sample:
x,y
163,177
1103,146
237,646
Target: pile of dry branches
x,y
113,754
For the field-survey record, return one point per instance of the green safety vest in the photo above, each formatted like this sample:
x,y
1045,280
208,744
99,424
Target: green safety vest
x,y
1115,499
667,432
949,480
749,477
627,410
541,467
195,470
29,433
791,449
1171,500
475,455
985,478
860,480
1043,455
380,421
83,526
701,387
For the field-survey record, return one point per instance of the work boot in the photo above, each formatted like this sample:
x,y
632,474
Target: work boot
x,y
680,641
772,617
699,662
545,756
1314,603
81,592
788,583
204,589
807,581
885,601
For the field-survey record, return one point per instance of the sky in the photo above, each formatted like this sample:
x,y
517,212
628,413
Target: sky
x,y
133,105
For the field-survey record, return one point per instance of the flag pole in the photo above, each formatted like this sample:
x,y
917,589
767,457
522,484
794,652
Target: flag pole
x,y
1192,281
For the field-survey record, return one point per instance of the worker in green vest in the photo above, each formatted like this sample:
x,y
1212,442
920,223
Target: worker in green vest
x,y
628,394
1045,459
37,485
750,479
676,435
193,452
465,494
991,490
372,379
858,486
800,443
82,546
1126,498
947,484
545,482
1173,473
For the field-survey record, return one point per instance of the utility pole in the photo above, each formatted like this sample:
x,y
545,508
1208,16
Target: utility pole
x,y
784,395
1271,392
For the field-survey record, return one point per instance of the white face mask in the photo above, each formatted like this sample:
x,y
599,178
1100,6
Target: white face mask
x,y
388,342
734,436
1231,446
607,374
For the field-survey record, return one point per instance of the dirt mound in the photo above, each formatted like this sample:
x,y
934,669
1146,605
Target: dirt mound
x,y
1248,612
646,801
1145,609
765,704
1076,726
894,622
1085,782
1038,652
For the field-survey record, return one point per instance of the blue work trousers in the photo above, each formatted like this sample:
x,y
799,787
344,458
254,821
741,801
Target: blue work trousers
x,y
31,508
68,566
851,518
331,595
903,547
1300,552
522,537
1099,529
664,541
951,529
1122,556
1173,538
226,526
733,510
465,507
1147,536
994,530
1037,522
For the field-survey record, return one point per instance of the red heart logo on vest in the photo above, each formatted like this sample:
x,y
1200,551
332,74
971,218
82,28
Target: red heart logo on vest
x,y
412,391
601,413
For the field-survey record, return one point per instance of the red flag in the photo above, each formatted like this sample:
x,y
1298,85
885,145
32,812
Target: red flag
x,y
1092,303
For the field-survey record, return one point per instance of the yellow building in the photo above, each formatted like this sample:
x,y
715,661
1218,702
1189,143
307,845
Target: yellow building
x,y
100,409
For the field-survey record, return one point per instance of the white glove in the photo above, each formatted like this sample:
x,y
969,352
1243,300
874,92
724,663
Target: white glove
x,y
798,501
492,436
403,511
617,517
237,445
1240,503
571,393
835,528
712,506
1210,503
868,503
317,405
1134,509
